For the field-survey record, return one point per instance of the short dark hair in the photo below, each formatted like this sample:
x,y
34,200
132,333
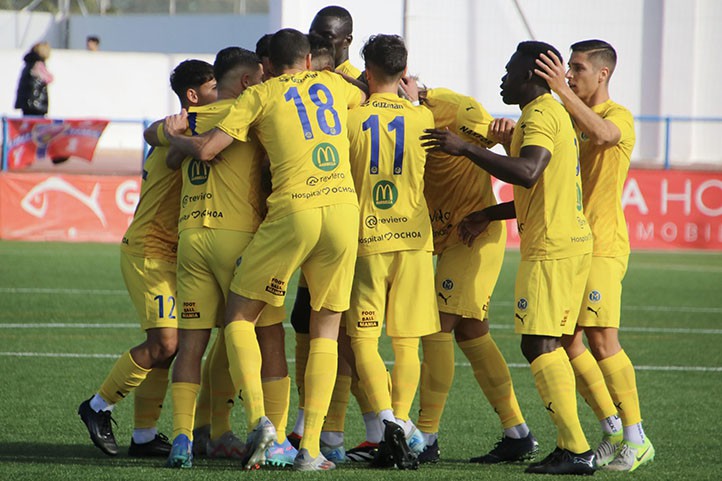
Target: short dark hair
x,y
93,38
386,55
288,46
263,45
232,57
190,74
334,11
322,50
531,50
598,51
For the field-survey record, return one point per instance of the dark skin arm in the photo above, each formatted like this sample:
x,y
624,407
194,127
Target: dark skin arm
x,y
174,158
524,170
151,134
477,222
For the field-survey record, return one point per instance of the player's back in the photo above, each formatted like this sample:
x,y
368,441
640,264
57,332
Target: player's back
x,y
225,193
550,213
300,119
154,229
388,163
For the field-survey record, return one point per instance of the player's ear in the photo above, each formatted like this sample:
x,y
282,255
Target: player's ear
x,y
348,38
192,96
603,75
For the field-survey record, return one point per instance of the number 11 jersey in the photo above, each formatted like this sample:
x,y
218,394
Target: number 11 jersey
x,y
300,119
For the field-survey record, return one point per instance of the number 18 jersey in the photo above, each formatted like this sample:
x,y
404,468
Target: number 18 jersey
x,y
300,119
388,163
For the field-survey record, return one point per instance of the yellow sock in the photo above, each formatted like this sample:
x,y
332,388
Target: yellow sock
x,y
372,371
405,375
203,405
591,385
622,383
244,361
149,397
437,375
322,366
184,407
555,382
492,374
276,397
125,376
302,341
221,387
360,395
336,416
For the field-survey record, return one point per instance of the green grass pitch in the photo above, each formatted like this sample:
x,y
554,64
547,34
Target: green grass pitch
x,y
49,363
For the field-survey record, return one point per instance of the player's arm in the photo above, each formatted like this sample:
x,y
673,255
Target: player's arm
x,y
524,170
357,83
477,222
153,135
501,131
202,147
174,158
600,131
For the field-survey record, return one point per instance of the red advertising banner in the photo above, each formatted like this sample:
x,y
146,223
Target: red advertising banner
x,y
665,209
70,208
31,139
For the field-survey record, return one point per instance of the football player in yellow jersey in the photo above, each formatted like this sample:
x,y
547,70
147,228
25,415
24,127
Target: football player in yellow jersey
x,y
300,119
262,51
605,131
394,270
555,255
335,23
465,278
148,265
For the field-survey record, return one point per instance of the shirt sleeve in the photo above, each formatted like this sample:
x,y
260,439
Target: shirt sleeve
x,y
244,112
538,130
472,121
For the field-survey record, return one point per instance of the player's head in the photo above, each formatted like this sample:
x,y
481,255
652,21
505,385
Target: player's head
x,y
263,46
591,64
289,48
335,23
323,54
385,58
236,69
520,84
194,83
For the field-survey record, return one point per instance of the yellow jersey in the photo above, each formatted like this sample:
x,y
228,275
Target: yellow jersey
x,y
348,69
604,171
387,163
300,119
226,193
153,233
454,186
550,215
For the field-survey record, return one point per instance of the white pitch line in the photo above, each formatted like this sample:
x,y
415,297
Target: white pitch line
x,y
53,290
65,325
70,355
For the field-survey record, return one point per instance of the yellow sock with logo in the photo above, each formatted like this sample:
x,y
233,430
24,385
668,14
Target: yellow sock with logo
x,y
184,396
622,383
221,387
276,397
437,375
372,371
322,366
336,417
554,380
405,375
591,385
494,378
244,362
125,376
302,346
149,397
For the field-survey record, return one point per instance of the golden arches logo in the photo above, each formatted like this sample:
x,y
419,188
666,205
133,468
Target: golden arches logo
x,y
385,194
325,157
198,172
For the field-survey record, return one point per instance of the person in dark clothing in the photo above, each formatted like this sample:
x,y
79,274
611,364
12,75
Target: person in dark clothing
x,y
32,93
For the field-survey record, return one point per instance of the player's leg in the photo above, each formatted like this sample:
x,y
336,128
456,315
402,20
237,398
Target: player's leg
x,y
300,320
332,433
151,285
544,311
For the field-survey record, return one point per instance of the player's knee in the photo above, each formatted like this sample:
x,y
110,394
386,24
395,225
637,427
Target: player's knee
x,y
534,346
301,314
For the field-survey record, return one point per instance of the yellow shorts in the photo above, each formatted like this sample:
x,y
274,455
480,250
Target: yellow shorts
x,y
466,277
398,287
548,295
151,284
602,303
323,241
206,262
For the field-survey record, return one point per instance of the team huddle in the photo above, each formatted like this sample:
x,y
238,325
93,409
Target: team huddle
x,y
290,158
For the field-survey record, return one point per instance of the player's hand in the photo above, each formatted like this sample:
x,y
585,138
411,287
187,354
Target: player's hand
x,y
472,226
443,140
410,88
176,124
501,130
552,70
